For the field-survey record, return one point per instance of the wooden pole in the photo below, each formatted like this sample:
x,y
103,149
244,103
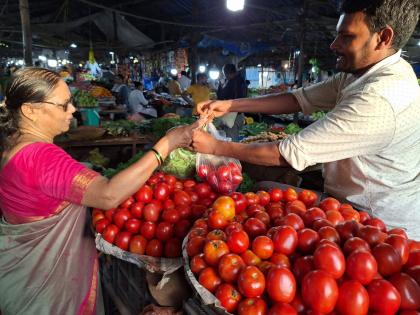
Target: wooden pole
x,y
26,32
301,59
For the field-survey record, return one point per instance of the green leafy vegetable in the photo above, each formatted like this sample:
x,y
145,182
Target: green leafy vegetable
x,y
84,99
253,129
180,163
110,172
247,184
120,127
292,129
318,115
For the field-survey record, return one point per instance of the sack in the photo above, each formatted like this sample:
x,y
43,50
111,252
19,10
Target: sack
x,y
223,174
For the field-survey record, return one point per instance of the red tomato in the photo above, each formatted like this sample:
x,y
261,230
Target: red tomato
x,y
144,194
264,197
330,259
388,259
132,225
400,244
307,240
350,214
213,251
285,240
154,248
252,209
398,231
228,296
198,264
161,191
276,194
320,223
136,209
233,226
168,204
148,230
347,230
250,258
203,190
203,171
178,186
251,282
353,244
334,217
263,247
223,173
320,291
209,279
97,217
173,248
241,202
252,306
290,195
275,211
383,297
308,197
372,235
101,225
226,206
109,214
181,198
330,204
409,313
281,284
361,266
414,272
302,267
282,309
293,220
151,212
122,240
171,215
364,216
216,220
262,216
296,206
409,290
353,299
298,304
237,241
138,244
164,231
189,183
230,265
280,260
127,203
120,217
329,233
169,179
376,223
252,198
313,214
194,196
184,212
413,259
216,235
254,227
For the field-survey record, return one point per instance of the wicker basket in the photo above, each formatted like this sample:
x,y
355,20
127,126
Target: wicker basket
x,y
85,133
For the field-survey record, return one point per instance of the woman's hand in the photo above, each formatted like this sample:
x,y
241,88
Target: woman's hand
x,y
203,142
214,108
181,136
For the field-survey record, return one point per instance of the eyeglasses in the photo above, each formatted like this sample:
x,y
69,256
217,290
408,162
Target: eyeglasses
x,y
65,106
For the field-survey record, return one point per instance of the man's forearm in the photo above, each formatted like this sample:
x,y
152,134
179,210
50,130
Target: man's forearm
x,y
270,104
260,153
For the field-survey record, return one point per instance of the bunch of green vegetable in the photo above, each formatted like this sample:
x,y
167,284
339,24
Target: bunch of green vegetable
x,y
318,115
247,184
253,129
120,127
83,99
97,159
159,126
110,172
292,129
180,163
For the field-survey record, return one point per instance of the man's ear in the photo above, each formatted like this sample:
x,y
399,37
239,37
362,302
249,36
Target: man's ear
x,y
385,38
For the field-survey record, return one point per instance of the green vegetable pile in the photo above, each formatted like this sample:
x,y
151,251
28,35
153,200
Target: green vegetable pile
x,y
247,184
180,163
84,99
253,129
318,115
159,126
292,129
120,127
110,172
97,159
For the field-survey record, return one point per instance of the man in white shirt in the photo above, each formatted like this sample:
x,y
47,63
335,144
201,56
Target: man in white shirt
x,y
369,142
184,81
138,103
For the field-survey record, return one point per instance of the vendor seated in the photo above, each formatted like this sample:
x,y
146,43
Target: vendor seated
x,y
138,105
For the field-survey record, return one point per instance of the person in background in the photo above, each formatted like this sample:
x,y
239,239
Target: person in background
x,y
138,103
184,81
120,91
199,92
174,87
234,87
369,142
48,262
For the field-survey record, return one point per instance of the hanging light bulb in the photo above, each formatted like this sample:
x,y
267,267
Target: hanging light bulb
x,y
235,5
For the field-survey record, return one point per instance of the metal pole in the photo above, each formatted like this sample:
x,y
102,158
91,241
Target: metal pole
x,y
26,32
301,59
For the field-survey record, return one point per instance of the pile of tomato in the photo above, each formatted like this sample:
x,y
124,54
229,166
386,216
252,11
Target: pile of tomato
x,y
277,253
155,220
224,179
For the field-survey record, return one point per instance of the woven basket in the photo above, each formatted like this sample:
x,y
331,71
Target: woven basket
x,y
86,133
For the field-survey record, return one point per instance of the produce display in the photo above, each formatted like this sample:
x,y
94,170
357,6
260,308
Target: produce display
x,y
292,129
266,136
159,126
84,99
155,220
253,129
99,91
277,252
121,127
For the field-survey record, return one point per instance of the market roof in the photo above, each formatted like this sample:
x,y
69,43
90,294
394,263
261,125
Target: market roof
x,y
159,24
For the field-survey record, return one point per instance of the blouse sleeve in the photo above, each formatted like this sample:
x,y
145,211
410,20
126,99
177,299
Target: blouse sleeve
x,y
59,175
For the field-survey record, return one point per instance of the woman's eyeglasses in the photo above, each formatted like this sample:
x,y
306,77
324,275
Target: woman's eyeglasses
x,y
65,106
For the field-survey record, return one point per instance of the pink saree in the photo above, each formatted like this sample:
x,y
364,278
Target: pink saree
x,y
48,260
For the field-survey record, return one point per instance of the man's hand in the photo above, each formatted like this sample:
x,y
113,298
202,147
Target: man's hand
x,y
203,142
214,108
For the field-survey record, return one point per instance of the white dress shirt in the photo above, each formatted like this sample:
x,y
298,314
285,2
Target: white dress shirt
x,y
137,104
184,82
369,142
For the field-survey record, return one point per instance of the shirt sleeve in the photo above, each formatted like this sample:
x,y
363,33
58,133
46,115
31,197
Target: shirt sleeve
x,y
320,96
59,176
142,99
361,124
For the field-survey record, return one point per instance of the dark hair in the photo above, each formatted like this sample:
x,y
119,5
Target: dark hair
x,y
137,84
120,76
229,68
184,73
28,85
401,15
201,75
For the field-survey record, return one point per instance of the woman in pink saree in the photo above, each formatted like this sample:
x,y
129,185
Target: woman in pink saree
x,y
48,260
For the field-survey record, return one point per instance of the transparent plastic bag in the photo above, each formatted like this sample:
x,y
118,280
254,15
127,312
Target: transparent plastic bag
x,y
180,163
223,174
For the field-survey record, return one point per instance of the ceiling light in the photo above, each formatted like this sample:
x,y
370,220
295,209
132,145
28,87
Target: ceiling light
x,y
202,68
73,45
235,5
214,74
174,71
52,63
42,58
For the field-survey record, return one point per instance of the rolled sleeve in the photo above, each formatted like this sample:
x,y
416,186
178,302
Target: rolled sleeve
x,y
362,124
